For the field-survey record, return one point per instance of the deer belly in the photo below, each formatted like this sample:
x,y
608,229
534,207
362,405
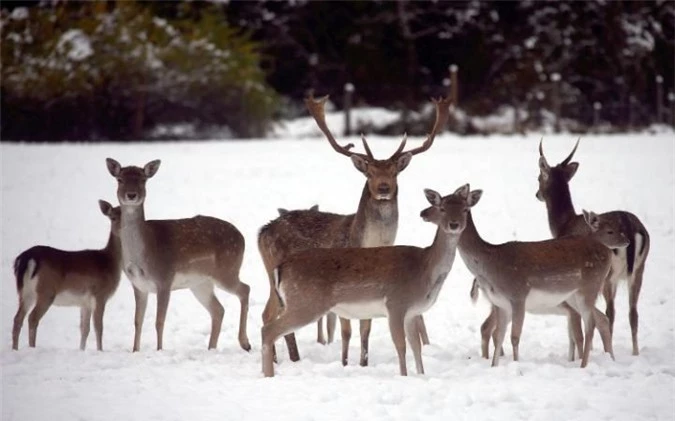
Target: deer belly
x,y
72,299
545,301
361,310
189,280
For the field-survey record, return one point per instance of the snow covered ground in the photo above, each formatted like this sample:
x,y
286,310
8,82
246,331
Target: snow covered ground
x,y
49,196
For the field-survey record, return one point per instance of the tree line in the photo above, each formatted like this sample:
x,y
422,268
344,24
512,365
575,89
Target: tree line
x,y
118,70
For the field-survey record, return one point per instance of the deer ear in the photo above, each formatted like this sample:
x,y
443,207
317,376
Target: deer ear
x,y
151,168
105,207
474,197
433,197
360,163
314,208
114,167
403,161
571,169
282,211
463,191
591,219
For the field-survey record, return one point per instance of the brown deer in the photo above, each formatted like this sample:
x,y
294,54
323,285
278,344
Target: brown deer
x,y
539,276
85,279
628,263
397,282
159,256
374,224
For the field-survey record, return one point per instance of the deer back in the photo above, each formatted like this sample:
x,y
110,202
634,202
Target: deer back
x,y
197,245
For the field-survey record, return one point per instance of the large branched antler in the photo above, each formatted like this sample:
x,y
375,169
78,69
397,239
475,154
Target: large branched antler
x,y
316,109
442,114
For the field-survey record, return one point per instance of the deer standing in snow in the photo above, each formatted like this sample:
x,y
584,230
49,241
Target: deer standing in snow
x,y
160,256
540,276
85,279
397,282
374,224
627,263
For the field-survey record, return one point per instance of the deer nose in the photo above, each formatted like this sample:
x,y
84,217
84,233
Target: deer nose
x,y
383,188
453,226
132,196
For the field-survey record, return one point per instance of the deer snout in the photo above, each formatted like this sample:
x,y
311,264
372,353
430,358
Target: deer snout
x,y
453,226
384,188
132,196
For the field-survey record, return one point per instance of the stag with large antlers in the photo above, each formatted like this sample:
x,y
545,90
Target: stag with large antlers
x,y
627,264
373,225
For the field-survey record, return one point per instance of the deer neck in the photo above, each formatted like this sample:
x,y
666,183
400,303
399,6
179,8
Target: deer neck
x,y
113,249
135,239
375,222
472,247
560,209
441,254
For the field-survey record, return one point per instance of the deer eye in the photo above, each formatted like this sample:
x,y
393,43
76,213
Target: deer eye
x,y
610,232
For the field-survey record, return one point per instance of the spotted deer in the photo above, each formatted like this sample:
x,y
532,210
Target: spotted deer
x,y
397,282
85,279
374,224
160,256
627,263
539,276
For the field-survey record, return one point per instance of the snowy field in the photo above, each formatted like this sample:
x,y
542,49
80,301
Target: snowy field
x,y
50,193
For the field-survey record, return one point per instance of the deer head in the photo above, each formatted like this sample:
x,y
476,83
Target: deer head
x,y
131,180
606,230
113,213
450,212
381,175
551,179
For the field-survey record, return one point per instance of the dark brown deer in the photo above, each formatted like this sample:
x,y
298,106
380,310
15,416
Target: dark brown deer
x,y
628,263
538,276
85,279
397,282
160,256
374,224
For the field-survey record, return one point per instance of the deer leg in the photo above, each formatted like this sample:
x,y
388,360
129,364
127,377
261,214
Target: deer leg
x,y
589,326
487,329
85,319
633,296
413,335
99,309
331,320
574,333
364,330
602,324
517,327
421,326
162,306
242,291
609,292
207,298
503,317
319,332
346,326
396,328
141,300
289,320
18,323
41,306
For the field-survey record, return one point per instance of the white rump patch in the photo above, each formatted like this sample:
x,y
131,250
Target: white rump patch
x,y
361,310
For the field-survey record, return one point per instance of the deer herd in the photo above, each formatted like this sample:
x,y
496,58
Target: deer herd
x,y
325,264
